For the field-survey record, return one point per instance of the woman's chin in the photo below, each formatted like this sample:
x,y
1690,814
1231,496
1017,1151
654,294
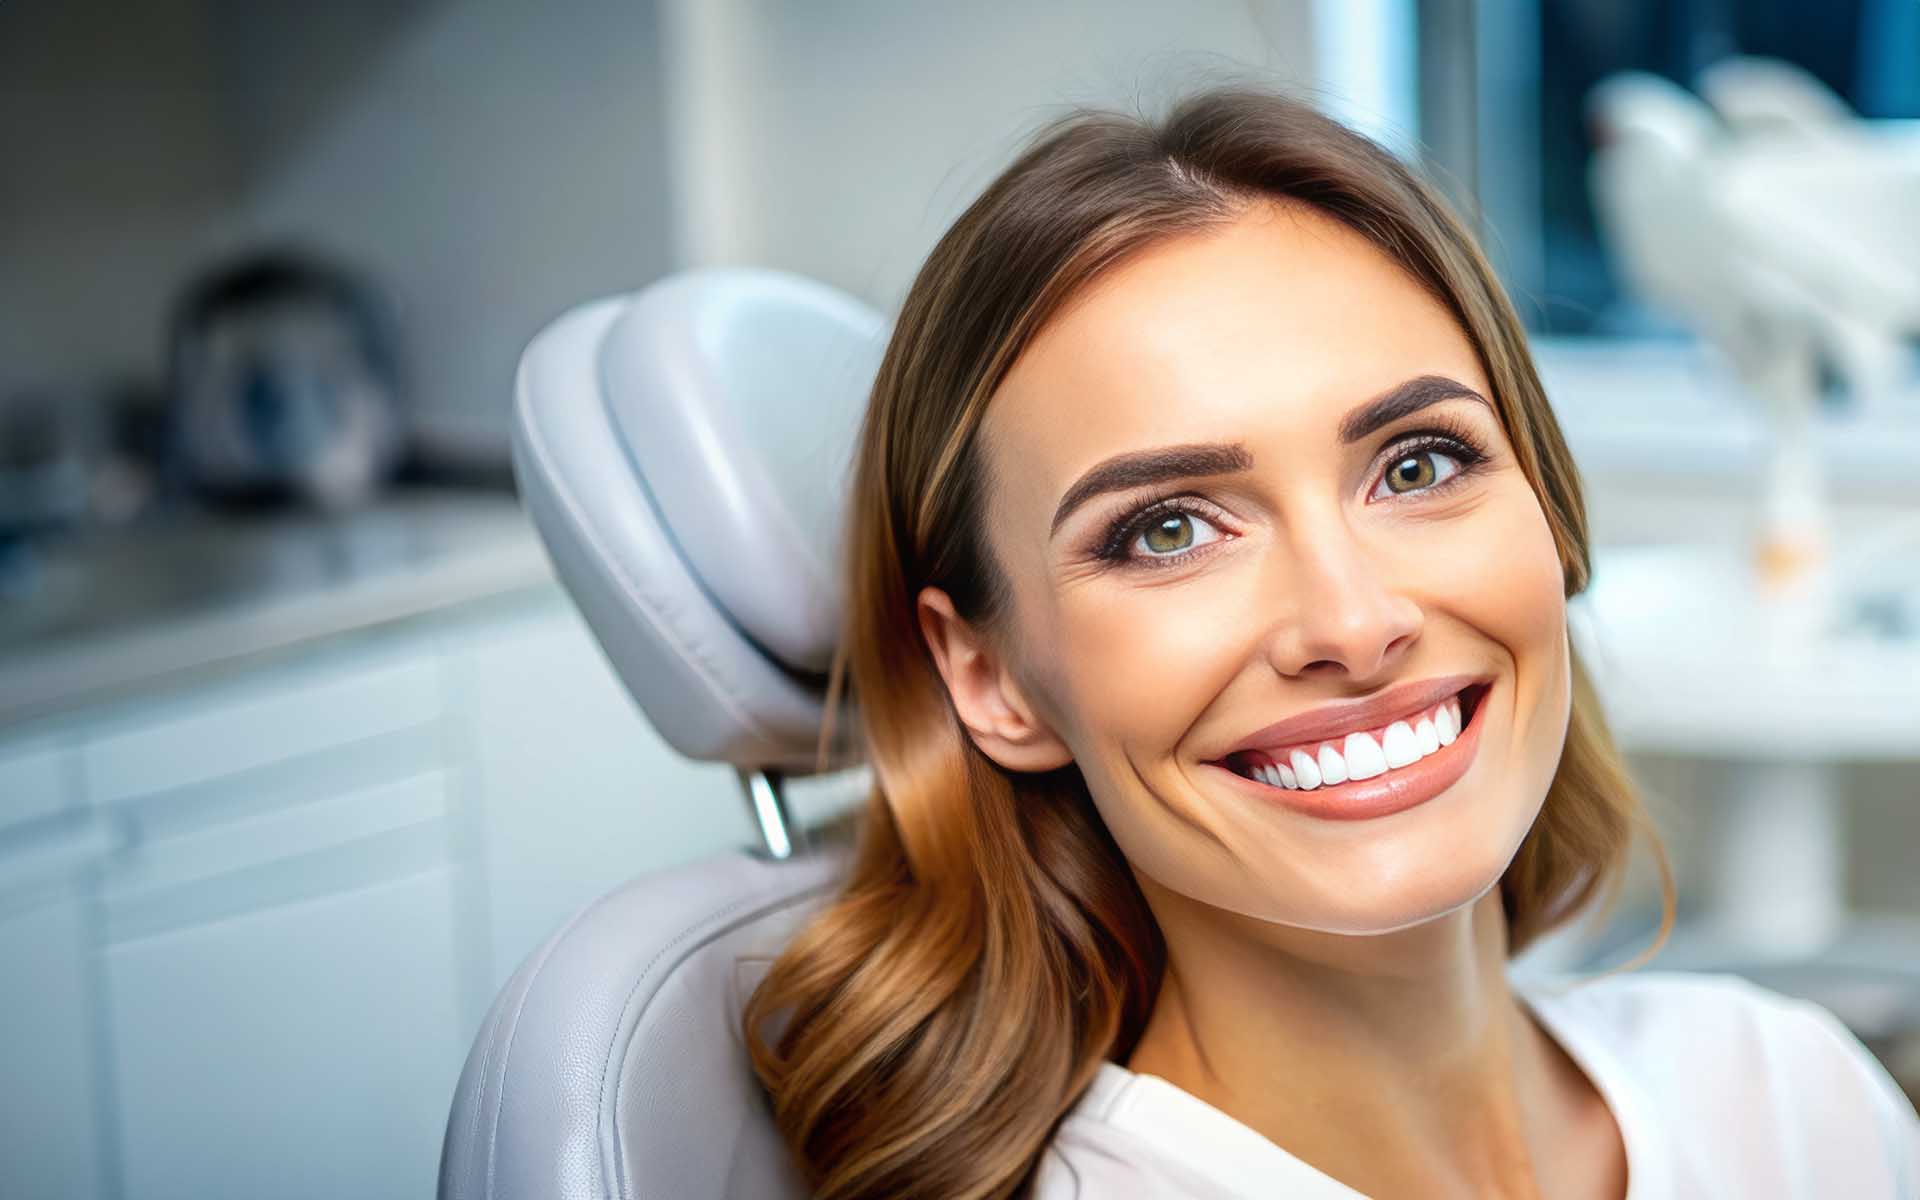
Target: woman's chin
x,y
1393,918
1352,878
1386,899
1425,870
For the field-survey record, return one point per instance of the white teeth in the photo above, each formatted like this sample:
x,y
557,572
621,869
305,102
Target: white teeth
x,y
1401,743
1427,736
1305,770
1364,757
1399,746
1333,768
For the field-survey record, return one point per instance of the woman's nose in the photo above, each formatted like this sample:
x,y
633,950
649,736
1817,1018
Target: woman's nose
x,y
1338,605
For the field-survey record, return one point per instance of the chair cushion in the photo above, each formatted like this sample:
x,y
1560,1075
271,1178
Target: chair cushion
x,y
611,1065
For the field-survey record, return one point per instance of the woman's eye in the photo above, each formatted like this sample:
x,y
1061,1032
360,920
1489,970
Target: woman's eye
x,y
1172,533
1413,472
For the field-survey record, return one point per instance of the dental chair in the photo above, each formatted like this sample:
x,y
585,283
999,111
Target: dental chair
x,y
683,452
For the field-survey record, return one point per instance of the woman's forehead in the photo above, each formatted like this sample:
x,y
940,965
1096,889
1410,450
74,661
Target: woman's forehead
x,y
1279,322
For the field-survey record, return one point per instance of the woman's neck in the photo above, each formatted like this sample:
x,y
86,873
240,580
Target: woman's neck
x,y
1398,1063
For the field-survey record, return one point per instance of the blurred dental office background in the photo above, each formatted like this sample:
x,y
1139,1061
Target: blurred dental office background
x,y
302,746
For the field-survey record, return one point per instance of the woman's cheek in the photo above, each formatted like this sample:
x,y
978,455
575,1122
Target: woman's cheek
x,y
1499,569
1525,606
1144,664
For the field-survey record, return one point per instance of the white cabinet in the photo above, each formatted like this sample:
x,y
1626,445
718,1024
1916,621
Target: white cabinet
x,y
250,923
577,791
289,941
49,1060
303,1049
50,1130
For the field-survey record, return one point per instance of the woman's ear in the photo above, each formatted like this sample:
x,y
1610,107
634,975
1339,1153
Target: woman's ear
x,y
989,700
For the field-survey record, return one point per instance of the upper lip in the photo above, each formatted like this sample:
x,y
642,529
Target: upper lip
x,y
1347,716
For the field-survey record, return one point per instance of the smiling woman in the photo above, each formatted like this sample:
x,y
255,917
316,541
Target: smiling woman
x,y
1209,551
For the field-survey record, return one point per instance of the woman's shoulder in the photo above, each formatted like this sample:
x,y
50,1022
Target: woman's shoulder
x,y
1709,1012
1116,1141
1133,1134
1709,1046
1138,1135
1087,1160
1690,1023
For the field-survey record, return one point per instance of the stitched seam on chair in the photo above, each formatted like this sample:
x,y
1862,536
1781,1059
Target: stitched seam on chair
x,y
618,1048
665,634
546,952
492,1032
706,924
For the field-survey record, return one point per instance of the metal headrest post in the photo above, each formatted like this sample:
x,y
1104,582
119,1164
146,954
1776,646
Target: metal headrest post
x,y
770,814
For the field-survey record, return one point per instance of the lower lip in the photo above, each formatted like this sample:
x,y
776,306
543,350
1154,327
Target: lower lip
x,y
1399,789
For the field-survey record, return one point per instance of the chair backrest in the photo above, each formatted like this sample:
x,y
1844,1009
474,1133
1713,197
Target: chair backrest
x,y
683,451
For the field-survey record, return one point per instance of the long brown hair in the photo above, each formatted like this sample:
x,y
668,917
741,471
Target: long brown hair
x,y
990,946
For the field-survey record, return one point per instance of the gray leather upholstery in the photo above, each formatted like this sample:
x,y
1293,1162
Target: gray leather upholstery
x,y
611,1064
683,451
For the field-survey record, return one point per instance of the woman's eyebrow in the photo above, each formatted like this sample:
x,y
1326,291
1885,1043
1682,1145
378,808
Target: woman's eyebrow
x,y
1138,468
1194,460
1403,398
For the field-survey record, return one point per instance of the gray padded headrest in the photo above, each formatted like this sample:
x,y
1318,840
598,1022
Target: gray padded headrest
x,y
684,451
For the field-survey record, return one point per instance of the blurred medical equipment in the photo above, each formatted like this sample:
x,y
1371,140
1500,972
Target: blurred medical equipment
x,y
683,451
48,442
1788,234
1789,237
48,445
1763,95
286,385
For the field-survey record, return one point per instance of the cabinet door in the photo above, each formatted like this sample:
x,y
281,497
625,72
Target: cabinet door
x,y
50,1143
284,939
292,1027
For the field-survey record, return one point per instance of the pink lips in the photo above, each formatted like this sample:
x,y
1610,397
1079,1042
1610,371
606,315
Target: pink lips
x,y
1378,710
1399,789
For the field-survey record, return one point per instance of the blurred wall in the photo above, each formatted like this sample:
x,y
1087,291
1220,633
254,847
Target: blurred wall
x,y
112,169
493,162
840,139
489,162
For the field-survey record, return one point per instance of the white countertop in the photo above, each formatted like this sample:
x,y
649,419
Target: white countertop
x,y
126,608
1674,408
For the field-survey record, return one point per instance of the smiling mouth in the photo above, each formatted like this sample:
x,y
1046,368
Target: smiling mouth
x,y
1364,753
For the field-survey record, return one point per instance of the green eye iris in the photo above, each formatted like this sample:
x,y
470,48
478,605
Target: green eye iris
x,y
1409,470
1164,537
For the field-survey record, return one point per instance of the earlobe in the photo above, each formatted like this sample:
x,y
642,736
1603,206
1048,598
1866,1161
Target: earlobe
x,y
986,697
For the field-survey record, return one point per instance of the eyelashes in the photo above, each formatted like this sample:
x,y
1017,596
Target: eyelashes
x,y
1444,436
1117,543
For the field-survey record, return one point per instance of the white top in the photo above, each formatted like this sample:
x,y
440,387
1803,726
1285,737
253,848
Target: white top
x,y
1721,1089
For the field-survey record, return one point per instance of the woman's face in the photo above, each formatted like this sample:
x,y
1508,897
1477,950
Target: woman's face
x,y
1312,565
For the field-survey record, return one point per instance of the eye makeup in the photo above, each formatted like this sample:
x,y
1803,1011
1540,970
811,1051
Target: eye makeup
x,y
1442,435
